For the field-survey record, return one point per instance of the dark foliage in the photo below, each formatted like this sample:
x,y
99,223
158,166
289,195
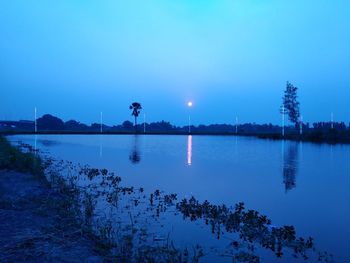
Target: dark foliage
x,y
251,226
291,104
49,122
127,125
73,125
327,126
12,158
136,109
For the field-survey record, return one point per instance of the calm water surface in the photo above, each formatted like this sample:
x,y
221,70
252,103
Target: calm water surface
x,y
301,184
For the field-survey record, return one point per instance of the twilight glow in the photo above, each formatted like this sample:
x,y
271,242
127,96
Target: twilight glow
x,y
74,59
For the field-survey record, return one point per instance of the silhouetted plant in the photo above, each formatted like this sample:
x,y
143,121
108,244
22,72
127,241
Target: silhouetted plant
x,y
136,109
248,227
14,159
291,104
49,122
251,226
127,125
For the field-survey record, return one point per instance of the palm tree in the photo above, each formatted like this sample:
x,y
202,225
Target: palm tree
x,y
136,109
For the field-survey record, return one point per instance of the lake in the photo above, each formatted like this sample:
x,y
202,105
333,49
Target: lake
x,y
304,185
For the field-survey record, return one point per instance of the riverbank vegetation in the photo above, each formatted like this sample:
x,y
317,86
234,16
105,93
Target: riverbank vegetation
x,y
87,213
13,158
318,132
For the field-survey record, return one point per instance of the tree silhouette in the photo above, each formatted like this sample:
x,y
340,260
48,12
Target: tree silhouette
x,y
127,125
50,123
290,103
136,109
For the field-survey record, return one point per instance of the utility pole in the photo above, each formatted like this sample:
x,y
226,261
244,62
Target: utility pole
x,y
236,125
332,121
283,112
35,123
301,124
144,123
101,123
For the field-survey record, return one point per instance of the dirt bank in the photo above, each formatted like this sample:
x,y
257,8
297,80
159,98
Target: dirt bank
x,y
32,227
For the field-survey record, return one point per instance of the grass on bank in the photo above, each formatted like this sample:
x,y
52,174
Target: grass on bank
x,y
12,158
69,227
65,229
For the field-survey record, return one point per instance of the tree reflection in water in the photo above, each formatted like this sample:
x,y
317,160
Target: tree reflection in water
x,y
135,156
290,166
135,226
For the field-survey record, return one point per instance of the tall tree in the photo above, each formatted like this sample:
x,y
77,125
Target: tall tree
x,y
136,109
291,104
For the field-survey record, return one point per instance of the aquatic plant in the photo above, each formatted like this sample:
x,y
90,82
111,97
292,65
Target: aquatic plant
x,y
126,232
250,225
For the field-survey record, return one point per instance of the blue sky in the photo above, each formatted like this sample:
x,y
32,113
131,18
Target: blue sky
x,y
76,58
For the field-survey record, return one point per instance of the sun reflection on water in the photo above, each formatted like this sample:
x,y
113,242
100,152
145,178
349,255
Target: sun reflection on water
x,y
189,150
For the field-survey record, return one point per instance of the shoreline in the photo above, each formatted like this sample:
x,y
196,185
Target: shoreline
x,y
37,222
59,218
35,225
318,137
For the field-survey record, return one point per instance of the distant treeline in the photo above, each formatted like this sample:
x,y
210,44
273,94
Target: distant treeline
x,y
51,123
